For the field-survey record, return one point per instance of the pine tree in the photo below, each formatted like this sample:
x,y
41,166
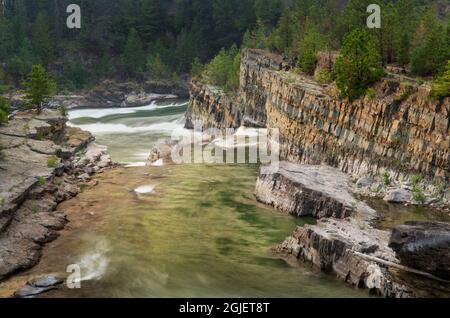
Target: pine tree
x,y
403,52
268,11
431,48
197,69
156,68
38,87
150,20
42,43
283,35
358,65
133,55
312,42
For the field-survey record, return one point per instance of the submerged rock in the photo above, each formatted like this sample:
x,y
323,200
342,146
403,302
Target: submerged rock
x,y
39,286
424,246
145,190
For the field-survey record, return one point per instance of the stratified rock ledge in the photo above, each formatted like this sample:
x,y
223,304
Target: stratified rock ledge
x,y
337,244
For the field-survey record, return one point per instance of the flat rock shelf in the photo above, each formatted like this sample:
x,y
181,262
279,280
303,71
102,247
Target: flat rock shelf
x,y
344,241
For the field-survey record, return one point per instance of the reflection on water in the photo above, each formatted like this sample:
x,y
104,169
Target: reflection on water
x,y
201,234
391,215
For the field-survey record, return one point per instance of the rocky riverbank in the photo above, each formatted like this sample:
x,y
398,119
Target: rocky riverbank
x,y
42,164
114,94
394,146
343,235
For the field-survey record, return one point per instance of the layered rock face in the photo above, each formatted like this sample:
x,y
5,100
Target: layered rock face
x,y
210,108
401,130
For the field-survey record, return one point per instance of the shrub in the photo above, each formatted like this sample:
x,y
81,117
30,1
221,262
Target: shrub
x,y
396,139
386,178
324,77
370,94
64,111
41,181
223,70
441,86
4,109
415,180
52,161
405,91
418,194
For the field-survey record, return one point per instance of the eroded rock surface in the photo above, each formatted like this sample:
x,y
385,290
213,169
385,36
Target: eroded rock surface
x,y
39,286
305,190
40,167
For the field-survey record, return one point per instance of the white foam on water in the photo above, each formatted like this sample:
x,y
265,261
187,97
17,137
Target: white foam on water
x,y
158,163
148,189
102,112
100,128
95,263
135,164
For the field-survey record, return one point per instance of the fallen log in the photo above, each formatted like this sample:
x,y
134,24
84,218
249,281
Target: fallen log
x,y
401,267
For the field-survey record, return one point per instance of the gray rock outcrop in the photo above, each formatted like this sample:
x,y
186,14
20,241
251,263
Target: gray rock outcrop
x,y
343,239
424,246
40,165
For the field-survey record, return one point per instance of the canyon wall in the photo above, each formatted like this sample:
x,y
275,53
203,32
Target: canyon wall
x,y
400,130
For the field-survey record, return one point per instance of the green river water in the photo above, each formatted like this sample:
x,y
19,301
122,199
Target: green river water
x,y
200,233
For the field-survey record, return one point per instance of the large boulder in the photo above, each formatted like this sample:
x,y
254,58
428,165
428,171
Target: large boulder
x,y
398,196
424,246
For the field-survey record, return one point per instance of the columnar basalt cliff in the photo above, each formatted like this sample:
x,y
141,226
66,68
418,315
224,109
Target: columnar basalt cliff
x,y
400,130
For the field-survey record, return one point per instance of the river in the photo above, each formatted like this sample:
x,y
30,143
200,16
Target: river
x,y
198,232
